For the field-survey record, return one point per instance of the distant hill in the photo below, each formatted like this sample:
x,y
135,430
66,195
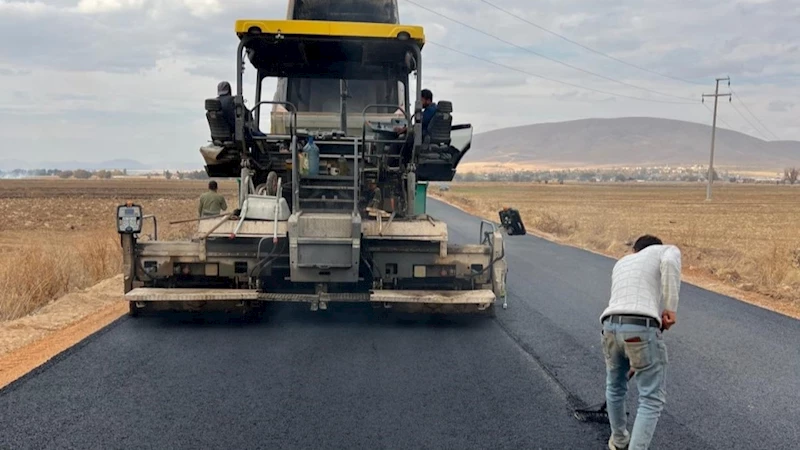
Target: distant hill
x,y
115,164
630,141
129,164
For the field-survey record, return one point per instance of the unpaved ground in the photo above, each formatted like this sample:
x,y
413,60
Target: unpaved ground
x,y
700,277
30,341
58,236
744,243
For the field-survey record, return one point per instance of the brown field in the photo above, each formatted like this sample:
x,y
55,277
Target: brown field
x,y
744,243
57,236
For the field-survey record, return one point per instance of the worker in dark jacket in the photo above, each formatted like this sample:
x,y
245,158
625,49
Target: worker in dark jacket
x,y
428,111
225,97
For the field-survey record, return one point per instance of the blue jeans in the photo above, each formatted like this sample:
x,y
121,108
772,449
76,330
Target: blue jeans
x,y
642,349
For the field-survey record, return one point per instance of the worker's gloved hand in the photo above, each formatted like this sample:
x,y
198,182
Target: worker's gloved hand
x,y
236,213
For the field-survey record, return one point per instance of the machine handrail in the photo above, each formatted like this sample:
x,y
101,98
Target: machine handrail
x,y
384,105
356,194
378,105
295,176
155,225
293,112
483,236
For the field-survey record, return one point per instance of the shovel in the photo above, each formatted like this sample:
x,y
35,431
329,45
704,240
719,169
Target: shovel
x,y
598,415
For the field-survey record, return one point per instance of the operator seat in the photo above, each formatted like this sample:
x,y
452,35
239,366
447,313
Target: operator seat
x,y
221,133
439,128
437,157
222,156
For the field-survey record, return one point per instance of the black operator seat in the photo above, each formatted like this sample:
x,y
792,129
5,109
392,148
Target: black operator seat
x,y
437,157
441,123
221,132
436,141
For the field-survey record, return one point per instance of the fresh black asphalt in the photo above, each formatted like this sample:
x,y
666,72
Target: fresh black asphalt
x,y
349,378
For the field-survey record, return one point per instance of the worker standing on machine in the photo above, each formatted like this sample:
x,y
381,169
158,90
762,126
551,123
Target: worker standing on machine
x,y
375,196
211,202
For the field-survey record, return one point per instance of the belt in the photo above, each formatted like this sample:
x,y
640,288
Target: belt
x,y
633,320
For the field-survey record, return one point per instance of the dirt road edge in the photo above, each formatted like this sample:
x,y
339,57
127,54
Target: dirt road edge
x,y
23,360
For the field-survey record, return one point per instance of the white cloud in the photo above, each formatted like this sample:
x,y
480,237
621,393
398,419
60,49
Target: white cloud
x,y
104,6
203,8
779,106
114,78
22,8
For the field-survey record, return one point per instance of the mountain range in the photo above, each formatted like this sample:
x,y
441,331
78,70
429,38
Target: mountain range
x,y
115,164
629,141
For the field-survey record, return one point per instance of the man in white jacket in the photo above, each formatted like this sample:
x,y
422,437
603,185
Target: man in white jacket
x,y
644,300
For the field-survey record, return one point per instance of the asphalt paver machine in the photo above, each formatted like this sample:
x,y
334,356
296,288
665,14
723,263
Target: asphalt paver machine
x,y
331,201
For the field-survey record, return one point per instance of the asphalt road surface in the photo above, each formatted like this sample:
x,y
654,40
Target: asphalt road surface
x,y
347,378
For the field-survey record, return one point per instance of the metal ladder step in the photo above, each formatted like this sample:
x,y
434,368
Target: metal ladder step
x,y
325,200
328,187
326,177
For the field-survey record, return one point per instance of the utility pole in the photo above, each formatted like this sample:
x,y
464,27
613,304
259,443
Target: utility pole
x,y
716,96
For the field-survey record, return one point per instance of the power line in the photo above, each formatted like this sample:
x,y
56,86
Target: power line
x,y
585,47
748,121
716,96
754,116
718,118
547,57
551,79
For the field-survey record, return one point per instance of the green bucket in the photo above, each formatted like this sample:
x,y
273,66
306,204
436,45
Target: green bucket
x,y
421,198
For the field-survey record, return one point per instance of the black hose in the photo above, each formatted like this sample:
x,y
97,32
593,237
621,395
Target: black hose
x,y
268,260
491,263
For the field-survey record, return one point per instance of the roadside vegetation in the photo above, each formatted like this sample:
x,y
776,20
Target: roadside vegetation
x,y
744,243
58,235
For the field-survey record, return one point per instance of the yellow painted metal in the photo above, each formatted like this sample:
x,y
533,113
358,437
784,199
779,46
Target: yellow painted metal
x,y
321,28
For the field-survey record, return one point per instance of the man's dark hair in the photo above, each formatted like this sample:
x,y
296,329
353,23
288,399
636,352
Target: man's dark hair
x,y
212,185
427,94
646,241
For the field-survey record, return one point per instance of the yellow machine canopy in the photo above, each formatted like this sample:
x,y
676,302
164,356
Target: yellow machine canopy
x,y
321,49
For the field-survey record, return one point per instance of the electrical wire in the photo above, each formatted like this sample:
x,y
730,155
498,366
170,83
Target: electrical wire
x,y
718,118
588,48
748,121
751,113
600,91
652,91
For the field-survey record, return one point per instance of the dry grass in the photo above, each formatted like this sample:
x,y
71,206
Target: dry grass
x,y
745,241
57,236
40,273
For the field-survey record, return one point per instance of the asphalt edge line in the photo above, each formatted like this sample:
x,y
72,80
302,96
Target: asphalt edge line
x,y
28,360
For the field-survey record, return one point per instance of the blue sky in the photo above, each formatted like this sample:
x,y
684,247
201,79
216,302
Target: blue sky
x,y
94,80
